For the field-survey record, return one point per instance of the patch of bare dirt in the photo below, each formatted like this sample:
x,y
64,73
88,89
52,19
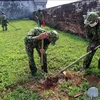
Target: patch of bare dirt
x,y
93,80
52,83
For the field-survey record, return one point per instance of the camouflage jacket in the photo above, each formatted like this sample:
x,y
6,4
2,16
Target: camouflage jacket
x,y
93,33
35,32
39,15
3,19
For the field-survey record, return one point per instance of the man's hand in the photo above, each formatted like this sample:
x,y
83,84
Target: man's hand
x,y
42,51
42,36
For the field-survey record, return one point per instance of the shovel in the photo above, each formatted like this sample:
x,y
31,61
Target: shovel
x,y
42,46
55,79
77,60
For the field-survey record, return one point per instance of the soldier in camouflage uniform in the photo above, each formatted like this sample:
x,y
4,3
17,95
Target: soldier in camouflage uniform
x,y
4,22
39,16
92,23
33,40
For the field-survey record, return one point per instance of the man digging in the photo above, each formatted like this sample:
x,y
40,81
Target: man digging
x,y
33,40
92,23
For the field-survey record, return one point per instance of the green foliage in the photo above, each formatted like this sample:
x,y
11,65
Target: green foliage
x,y
22,93
71,89
48,94
85,86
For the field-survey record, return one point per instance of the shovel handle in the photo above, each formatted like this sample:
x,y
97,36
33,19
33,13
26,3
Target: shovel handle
x,y
77,60
42,46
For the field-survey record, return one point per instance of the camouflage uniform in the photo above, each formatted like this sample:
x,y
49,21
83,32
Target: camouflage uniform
x,y
30,44
39,16
93,36
4,22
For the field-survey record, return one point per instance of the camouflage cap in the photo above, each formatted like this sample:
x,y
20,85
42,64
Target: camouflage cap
x,y
53,36
91,17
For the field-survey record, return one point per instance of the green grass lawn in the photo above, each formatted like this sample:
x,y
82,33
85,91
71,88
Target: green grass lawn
x,y
14,69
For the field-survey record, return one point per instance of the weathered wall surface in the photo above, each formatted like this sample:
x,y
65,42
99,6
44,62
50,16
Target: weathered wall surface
x,y
16,9
70,17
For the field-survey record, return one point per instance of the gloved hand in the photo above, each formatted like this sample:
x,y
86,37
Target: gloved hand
x,y
92,48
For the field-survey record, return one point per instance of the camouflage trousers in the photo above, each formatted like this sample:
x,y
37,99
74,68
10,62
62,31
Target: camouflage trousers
x,y
39,23
30,45
4,26
88,58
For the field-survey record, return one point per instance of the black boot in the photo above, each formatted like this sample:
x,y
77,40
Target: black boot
x,y
6,28
33,70
3,29
99,64
44,69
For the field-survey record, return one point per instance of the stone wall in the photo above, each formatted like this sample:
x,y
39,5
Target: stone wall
x,y
70,17
16,9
